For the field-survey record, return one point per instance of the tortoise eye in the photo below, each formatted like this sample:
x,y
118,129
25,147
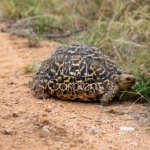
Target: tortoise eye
x,y
128,79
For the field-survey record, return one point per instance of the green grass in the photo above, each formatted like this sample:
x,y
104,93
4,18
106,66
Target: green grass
x,y
29,83
33,39
143,86
146,130
27,69
119,28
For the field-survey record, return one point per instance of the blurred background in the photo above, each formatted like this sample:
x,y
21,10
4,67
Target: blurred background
x,y
119,28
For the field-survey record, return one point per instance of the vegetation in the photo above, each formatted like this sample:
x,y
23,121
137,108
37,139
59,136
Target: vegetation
x,y
143,86
30,68
119,28
29,83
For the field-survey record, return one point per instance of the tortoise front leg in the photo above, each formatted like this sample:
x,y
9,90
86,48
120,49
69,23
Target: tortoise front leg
x,y
107,97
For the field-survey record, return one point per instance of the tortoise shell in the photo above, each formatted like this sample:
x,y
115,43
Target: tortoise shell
x,y
76,72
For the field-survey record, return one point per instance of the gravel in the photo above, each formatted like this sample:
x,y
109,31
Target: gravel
x,y
15,114
8,131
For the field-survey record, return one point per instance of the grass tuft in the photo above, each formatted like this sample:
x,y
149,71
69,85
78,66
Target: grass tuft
x,y
27,69
143,86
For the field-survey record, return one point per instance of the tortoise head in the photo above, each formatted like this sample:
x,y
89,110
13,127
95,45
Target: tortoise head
x,y
126,81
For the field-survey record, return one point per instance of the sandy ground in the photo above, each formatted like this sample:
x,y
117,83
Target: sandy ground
x,y
27,123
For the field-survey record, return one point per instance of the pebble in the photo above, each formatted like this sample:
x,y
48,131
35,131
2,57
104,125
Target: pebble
x,y
72,144
44,115
45,129
46,122
133,143
10,82
15,101
126,128
8,131
48,109
93,130
110,135
15,114
21,121
62,124
136,118
103,132
40,102
56,148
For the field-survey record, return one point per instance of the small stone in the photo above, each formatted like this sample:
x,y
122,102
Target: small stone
x,y
33,116
45,122
56,148
40,102
133,143
48,109
44,115
10,82
93,130
103,132
15,101
72,145
136,118
126,129
15,114
113,110
21,121
45,129
62,124
8,131
25,131
106,121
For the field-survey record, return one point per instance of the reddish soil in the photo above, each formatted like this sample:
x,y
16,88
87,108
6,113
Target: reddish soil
x,y
29,123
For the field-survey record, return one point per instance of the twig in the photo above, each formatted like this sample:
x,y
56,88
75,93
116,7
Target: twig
x,y
86,117
16,74
98,121
134,103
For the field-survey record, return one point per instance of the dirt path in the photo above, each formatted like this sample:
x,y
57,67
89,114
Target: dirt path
x,y
29,123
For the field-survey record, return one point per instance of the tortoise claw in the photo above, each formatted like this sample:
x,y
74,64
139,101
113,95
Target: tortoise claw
x,y
104,102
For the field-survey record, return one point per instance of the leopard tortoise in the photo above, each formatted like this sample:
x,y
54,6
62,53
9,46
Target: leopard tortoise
x,y
79,72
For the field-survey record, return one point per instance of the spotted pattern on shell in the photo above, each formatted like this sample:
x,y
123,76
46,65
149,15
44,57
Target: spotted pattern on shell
x,y
77,72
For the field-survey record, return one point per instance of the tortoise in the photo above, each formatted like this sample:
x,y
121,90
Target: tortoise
x,y
79,72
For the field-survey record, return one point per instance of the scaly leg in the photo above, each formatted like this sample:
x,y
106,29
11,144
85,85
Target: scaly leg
x,y
107,97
